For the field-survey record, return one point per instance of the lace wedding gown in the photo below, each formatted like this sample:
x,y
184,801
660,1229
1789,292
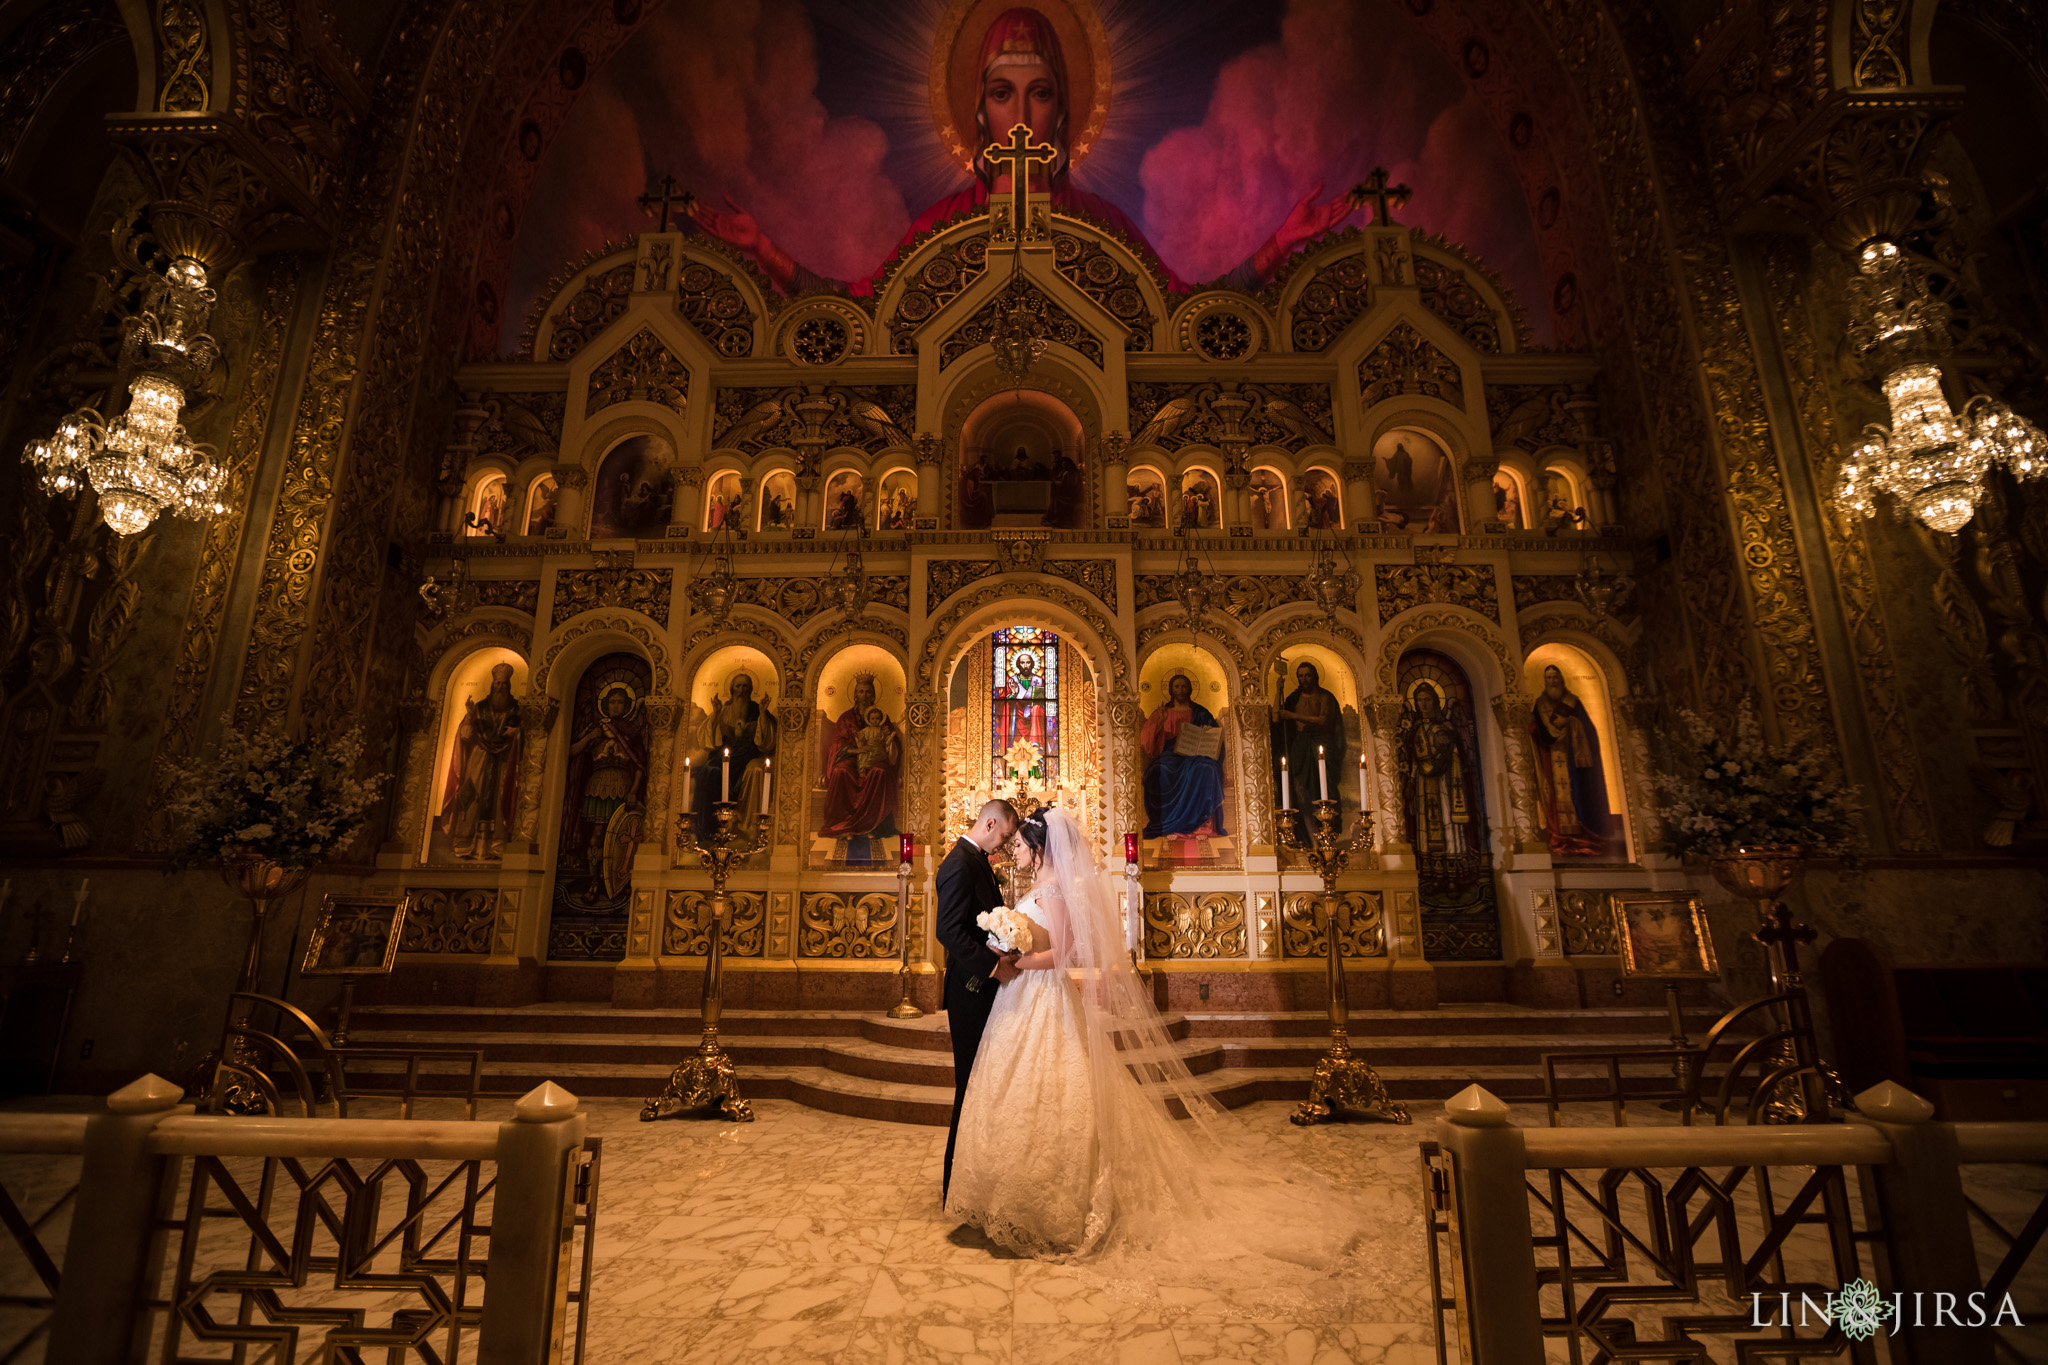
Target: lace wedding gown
x,y
1024,1162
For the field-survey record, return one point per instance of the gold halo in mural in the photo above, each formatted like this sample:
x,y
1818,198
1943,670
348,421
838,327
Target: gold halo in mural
x,y
956,71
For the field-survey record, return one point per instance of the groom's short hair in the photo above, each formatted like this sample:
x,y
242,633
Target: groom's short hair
x,y
998,807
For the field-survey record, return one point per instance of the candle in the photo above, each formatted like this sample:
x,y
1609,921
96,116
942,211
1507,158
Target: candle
x,y
78,901
688,785
1286,800
766,781
1322,776
907,850
1361,777
1130,848
725,777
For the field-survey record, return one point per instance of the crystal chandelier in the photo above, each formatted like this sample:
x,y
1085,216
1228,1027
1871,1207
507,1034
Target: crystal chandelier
x,y
142,464
1932,459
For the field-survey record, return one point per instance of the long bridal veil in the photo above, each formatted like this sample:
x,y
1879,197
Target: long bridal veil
x,y
1173,1189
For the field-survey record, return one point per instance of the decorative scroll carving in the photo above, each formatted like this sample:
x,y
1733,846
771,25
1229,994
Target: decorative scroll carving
x,y
1406,361
1301,930
1246,597
520,594
847,925
1206,925
941,280
1534,589
644,370
1395,641
1092,270
1448,294
1055,324
709,301
944,577
628,626
1531,416
449,921
521,424
797,600
1587,919
1401,587
1097,577
599,303
1255,719
1290,416
646,591
870,417
686,924
1332,301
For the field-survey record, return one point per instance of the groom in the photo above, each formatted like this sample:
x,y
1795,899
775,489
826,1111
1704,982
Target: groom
x,y
967,887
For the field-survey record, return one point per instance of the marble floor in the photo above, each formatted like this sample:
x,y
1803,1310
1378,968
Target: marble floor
x,y
810,1237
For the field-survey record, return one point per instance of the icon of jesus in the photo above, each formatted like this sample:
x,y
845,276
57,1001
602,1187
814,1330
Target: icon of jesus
x,y
1023,79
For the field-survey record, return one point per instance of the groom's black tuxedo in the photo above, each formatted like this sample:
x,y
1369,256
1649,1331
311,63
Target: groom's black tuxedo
x,y
967,886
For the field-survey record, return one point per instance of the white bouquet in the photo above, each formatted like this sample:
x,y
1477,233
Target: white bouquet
x,y
1009,930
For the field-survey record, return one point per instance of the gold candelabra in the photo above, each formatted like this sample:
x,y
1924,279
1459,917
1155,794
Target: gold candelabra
x,y
906,1008
1345,1082
705,1081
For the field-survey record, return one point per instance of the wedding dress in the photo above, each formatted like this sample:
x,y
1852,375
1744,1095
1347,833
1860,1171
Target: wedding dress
x,y
1083,1136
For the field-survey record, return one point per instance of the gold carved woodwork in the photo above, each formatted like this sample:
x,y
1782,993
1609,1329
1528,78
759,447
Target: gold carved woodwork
x,y
646,591
709,301
599,302
944,577
1334,298
1092,269
1532,417
1587,920
797,600
847,925
537,716
1407,362
1395,642
642,370
1055,324
449,921
1231,415
1205,926
869,417
940,280
417,717
1448,294
686,924
1302,933
1246,597
1255,721
1402,587
634,629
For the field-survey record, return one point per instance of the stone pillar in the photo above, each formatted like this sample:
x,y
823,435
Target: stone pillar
x,y
1255,733
929,448
530,1212
1500,1319
1634,717
688,512
1479,472
537,717
1383,717
1600,469
570,481
1116,481
420,717
1513,713
1360,504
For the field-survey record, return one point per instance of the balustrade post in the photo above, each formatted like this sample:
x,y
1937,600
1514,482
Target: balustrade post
x,y
1926,1247
1499,1320
526,1295
98,1318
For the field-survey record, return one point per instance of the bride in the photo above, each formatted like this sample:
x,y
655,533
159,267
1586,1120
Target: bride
x,y
1084,1136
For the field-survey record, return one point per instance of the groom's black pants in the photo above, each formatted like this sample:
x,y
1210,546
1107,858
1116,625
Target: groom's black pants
x,y
966,1017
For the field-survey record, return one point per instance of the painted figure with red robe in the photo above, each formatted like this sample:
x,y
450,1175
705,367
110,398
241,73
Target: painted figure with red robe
x,y
863,759
1571,784
1023,80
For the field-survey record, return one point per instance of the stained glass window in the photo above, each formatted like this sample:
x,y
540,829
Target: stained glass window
x,y
1025,728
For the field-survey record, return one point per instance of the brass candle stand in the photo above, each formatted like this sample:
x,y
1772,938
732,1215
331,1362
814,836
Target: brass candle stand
x,y
705,1081
906,1008
1345,1083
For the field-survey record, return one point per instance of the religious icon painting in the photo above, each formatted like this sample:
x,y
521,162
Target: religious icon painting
x,y
843,493
1201,501
1314,736
634,490
1147,494
1443,802
1321,506
1663,935
487,508
356,935
604,811
778,501
858,780
1268,495
477,763
1187,762
541,501
1560,510
733,744
1416,483
1507,502
1576,764
722,510
896,508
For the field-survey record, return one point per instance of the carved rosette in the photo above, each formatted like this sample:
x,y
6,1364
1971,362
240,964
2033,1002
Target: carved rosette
x,y
858,927
1204,926
536,724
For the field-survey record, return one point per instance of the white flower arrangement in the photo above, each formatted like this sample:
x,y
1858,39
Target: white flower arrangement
x,y
1726,795
293,802
1009,930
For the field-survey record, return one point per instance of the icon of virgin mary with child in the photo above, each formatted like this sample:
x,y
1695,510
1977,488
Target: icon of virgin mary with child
x,y
1023,71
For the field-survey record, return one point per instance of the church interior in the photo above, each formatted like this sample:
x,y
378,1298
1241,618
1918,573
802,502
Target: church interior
x,y
1515,527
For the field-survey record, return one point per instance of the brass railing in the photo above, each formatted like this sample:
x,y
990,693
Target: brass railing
x,y
1730,1243
295,1239
294,1067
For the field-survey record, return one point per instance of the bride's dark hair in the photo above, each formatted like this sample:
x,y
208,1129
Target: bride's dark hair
x,y
1032,829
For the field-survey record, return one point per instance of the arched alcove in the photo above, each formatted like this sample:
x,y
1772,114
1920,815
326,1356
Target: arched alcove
x,y
1575,756
1022,463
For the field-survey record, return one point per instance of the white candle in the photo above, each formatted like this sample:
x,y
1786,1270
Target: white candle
x,y
766,782
1322,776
725,776
1286,800
688,785
78,901
1361,778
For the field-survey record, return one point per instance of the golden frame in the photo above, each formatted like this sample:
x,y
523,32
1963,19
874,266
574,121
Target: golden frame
x,y
342,923
1689,958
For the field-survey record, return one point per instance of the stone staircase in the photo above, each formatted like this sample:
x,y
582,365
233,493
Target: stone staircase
x,y
871,1066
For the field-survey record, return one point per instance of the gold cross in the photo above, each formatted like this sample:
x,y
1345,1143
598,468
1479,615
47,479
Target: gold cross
x,y
1384,197
1021,152
670,191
